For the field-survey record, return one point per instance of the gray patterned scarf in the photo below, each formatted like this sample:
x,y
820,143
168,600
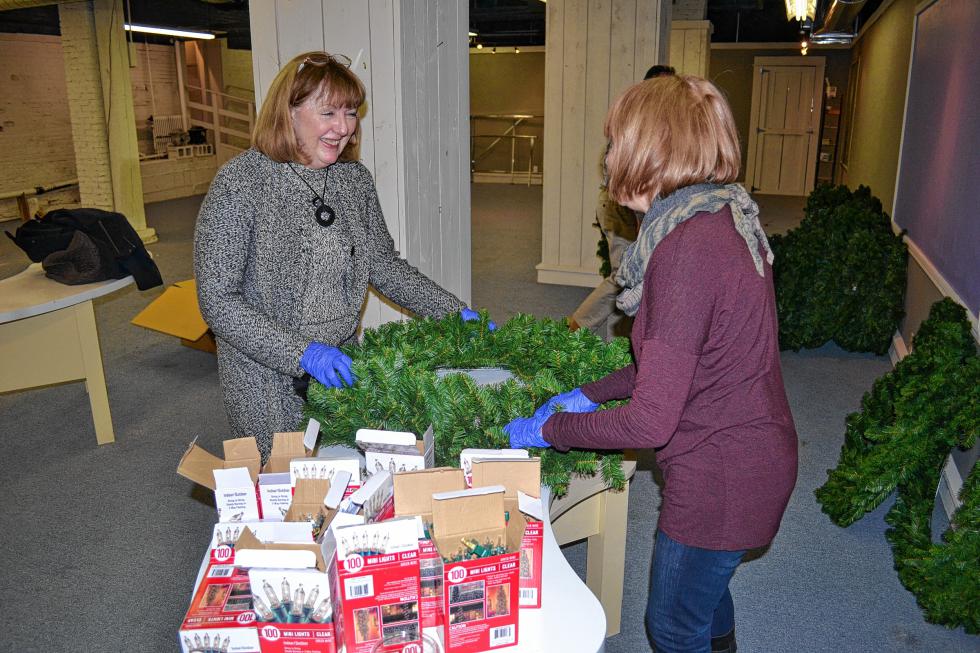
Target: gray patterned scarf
x,y
668,212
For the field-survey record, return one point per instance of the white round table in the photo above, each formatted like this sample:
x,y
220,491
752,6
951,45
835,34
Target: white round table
x,y
48,335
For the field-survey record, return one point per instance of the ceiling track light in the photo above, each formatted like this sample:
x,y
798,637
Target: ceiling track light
x,y
801,10
167,31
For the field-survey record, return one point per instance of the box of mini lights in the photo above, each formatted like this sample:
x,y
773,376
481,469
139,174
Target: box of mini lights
x,y
275,483
413,497
220,616
293,610
481,576
225,538
395,451
374,499
324,469
232,478
522,504
311,499
374,576
467,456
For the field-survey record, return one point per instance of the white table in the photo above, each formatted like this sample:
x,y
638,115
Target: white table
x,y
570,620
593,511
48,335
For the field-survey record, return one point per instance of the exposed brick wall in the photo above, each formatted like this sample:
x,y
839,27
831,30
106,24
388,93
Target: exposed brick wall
x,y
689,10
85,104
35,128
156,64
166,179
236,70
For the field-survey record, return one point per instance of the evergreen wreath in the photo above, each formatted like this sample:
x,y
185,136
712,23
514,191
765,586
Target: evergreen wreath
x,y
841,274
908,424
398,388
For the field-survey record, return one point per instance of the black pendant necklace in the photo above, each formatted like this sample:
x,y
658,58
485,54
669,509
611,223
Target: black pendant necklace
x,y
323,214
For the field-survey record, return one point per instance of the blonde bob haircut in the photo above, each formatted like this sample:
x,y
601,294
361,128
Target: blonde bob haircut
x,y
311,74
666,133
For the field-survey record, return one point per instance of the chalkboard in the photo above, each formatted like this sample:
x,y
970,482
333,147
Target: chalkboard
x,y
937,197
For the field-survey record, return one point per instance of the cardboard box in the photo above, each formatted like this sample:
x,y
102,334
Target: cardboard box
x,y
396,451
480,597
176,313
308,505
374,575
519,476
232,478
374,499
467,456
220,616
413,497
275,483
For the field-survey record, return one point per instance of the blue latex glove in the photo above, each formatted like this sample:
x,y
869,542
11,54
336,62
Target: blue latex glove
x,y
525,432
328,365
469,315
573,401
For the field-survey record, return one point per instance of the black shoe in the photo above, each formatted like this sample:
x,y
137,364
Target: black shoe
x,y
724,643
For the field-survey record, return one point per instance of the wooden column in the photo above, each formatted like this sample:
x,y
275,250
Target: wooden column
x,y
100,102
595,49
690,46
412,57
117,96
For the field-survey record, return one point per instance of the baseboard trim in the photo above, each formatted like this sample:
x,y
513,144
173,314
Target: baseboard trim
x,y
561,276
517,179
940,282
950,484
899,349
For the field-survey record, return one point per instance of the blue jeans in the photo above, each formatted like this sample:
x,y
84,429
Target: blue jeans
x,y
689,600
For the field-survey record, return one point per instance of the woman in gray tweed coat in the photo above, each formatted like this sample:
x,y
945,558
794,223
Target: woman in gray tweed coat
x,y
288,238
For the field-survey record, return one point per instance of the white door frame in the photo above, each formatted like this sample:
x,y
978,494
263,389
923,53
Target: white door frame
x,y
759,65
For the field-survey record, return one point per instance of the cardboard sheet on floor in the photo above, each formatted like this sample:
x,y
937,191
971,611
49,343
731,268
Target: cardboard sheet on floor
x,y
176,313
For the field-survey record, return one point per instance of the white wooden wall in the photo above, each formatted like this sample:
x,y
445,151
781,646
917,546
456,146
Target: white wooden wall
x,y
690,46
412,58
594,50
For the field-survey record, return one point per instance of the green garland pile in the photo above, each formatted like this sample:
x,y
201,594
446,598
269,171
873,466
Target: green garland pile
x,y
840,275
398,388
908,424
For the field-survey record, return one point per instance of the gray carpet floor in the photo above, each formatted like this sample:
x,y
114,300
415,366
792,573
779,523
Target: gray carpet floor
x,y
100,545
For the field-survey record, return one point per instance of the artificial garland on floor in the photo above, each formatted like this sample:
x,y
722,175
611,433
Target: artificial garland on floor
x,y
908,423
840,275
398,387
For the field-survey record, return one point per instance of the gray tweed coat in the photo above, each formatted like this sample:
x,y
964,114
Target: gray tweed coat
x,y
270,279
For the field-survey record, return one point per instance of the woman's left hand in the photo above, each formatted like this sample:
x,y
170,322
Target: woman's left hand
x,y
469,315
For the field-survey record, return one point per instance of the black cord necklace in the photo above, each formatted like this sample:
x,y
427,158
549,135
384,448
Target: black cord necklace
x,y
323,214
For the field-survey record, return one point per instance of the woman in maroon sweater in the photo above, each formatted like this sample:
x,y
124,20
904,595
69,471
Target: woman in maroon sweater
x,y
705,389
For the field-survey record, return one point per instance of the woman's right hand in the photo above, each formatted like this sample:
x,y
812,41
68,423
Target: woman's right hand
x,y
328,365
573,401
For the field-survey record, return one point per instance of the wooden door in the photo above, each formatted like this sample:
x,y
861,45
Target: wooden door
x,y
787,100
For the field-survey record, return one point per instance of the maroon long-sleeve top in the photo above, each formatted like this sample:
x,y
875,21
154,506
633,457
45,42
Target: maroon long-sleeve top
x,y
705,390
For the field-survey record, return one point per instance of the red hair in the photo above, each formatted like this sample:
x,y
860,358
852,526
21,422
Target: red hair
x,y
666,133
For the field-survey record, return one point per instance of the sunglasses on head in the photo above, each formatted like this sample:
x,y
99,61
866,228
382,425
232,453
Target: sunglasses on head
x,y
324,58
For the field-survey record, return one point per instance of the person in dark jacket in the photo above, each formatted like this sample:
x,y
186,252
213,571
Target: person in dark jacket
x,y
618,225
705,389
288,238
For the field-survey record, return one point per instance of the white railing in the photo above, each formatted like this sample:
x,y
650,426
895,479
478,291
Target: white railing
x,y
510,136
231,119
